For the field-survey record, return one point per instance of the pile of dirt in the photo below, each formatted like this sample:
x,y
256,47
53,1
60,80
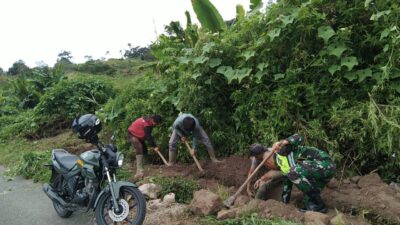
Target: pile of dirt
x,y
369,193
231,172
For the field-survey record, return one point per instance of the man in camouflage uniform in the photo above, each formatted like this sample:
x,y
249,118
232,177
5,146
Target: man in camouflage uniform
x,y
309,168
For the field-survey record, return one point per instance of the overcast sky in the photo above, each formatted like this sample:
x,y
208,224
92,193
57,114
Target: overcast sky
x,y
38,30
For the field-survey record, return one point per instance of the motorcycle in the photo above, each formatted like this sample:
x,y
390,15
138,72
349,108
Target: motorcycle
x,y
78,184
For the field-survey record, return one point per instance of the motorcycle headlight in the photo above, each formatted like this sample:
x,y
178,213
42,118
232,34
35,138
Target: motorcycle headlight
x,y
120,159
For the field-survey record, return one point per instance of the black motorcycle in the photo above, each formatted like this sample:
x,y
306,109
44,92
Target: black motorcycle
x,y
89,181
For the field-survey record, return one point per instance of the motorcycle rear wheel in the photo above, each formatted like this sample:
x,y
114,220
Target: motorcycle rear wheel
x,y
60,210
130,196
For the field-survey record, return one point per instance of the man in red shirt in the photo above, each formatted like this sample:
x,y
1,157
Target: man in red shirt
x,y
139,132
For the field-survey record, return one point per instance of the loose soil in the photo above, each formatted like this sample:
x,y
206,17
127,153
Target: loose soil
x,y
231,172
368,195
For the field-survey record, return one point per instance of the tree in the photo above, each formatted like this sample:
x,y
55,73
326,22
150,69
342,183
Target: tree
x,y
138,52
41,64
18,67
64,59
208,15
2,71
64,55
88,57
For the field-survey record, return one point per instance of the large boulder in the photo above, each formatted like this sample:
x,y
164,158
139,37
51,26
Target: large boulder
x,y
205,203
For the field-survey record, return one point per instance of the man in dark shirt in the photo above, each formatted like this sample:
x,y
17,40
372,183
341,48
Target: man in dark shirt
x,y
139,132
187,125
275,177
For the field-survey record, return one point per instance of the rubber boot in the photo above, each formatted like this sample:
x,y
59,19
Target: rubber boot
x,y
315,203
212,156
321,207
172,157
139,167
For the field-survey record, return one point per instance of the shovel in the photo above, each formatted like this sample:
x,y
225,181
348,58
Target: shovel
x,y
194,157
162,157
229,201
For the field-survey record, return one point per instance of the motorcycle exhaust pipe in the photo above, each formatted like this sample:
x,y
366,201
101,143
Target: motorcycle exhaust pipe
x,y
52,195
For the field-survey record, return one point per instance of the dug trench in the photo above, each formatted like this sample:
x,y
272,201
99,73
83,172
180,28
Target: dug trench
x,y
366,197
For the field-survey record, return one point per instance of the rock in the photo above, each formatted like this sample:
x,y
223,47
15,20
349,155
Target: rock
x,y
342,219
333,183
395,186
241,200
346,181
205,203
338,219
255,205
154,204
355,179
169,198
315,218
150,190
227,213
369,180
166,214
277,209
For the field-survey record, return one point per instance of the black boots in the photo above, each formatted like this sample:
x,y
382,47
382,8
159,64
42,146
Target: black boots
x,y
315,203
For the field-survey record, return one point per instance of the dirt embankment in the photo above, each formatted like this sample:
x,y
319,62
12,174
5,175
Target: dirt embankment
x,y
367,194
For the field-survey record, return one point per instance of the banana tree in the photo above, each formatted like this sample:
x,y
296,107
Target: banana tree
x,y
209,17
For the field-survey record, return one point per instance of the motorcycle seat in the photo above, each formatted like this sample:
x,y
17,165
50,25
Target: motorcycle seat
x,y
65,159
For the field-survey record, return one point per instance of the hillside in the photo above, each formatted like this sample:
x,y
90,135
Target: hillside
x,y
327,70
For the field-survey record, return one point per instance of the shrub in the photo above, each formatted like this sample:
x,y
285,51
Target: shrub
x,y
183,188
16,125
31,165
328,70
96,67
142,96
67,100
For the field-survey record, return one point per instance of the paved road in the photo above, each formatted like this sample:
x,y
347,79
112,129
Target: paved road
x,y
23,202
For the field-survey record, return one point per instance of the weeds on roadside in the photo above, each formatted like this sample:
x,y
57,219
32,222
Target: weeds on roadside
x,y
252,219
183,188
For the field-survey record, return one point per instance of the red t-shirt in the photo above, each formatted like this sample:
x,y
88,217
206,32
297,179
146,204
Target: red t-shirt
x,y
137,128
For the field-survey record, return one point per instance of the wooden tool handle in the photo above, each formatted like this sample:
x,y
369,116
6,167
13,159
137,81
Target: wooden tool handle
x,y
251,175
162,157
194,157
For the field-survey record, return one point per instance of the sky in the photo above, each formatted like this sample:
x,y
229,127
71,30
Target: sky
x,y
36,31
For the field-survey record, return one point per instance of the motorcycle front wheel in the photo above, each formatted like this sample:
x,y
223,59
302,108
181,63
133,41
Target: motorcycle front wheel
x,y
132,208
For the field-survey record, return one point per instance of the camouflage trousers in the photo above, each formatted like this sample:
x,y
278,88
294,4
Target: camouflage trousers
x,y
311,176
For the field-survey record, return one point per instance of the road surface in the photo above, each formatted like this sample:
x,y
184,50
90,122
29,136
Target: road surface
x,y
23,202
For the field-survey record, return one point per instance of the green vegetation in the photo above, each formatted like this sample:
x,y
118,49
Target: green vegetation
x,y
32,167
326,69
246,220
183,188
329,70
26,159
